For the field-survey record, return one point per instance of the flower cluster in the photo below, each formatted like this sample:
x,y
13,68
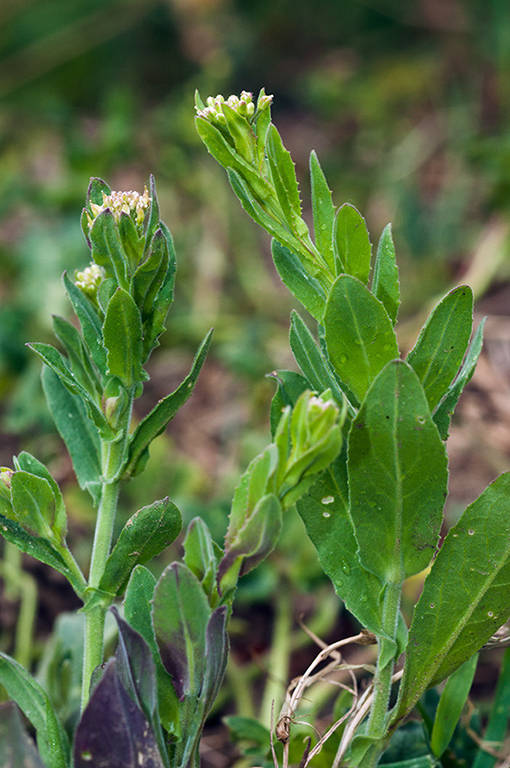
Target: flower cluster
x,y
132,203
242,104
88,280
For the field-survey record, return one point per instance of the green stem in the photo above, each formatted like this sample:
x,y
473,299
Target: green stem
x,y
377,721
95,616
278,662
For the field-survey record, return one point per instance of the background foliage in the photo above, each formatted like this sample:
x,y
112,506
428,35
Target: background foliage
x,y
407,105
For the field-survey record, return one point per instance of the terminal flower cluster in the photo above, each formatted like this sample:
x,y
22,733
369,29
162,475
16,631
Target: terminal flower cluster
x,y
132,203
242,104
89,279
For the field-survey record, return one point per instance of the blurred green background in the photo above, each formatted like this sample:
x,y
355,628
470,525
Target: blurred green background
x,y
406,103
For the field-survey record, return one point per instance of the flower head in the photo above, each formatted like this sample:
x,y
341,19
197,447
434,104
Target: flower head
x,y
243,105
88,280
132,203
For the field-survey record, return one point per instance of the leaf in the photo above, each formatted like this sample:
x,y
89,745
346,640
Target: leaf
x,y
77,431
241,132
90,324
283,176
40,548
132,244
398,476
146,534
122,331
201,555
152,222
451,704
81,365
352,243
150,273
385,284
155,324
34,504
465,597
290,385
300,283
137,609
444,410
180,617
323,213
324,510
107,251
17,750
35,704
137,672
311,360
442,343
113,730
157,420
29,463
359,335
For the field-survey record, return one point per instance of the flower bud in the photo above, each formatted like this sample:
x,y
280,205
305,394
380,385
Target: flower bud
x,y
132,203
89,280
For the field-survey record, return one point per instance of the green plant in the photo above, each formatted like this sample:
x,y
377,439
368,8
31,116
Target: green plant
x,y
376,512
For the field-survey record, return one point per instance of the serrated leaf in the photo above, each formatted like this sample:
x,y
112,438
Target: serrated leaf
x,y
55,361
352,243
359,334
157,420
442,343
283,175
443,413
122,330
323,212
113,730
90,324
146,534
300,283
312,362
81,365
77,431
17,750
36,706
398,476
385,283
465,597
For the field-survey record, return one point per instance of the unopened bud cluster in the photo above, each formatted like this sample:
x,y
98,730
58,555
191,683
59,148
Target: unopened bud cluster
x,y
242,104
89,279
132,203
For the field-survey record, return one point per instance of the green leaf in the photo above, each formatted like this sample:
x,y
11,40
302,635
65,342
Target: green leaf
x,y
156,421
107,251
289,386
29,463
451,704
152,222
442,343
36,706
325,513
397,476
90,324
352,243
323,213
42,549
122,331
77,431
201,555
180,617
283,176
150,274
138,612
444,410
132,244
312,362
55,361
359,335
465,597
498,717
81,365
34,504
17,750
241,133
385,284
300,283
146,534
